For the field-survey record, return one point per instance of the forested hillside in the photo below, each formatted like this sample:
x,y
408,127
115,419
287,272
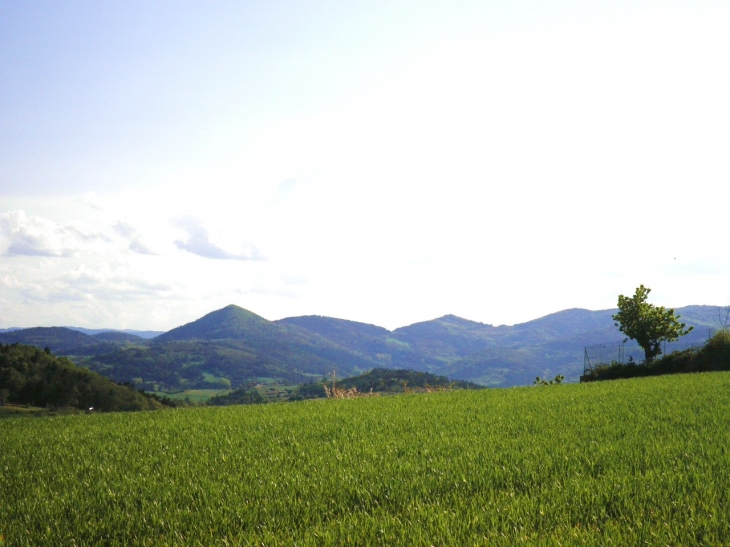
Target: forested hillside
x,y
34,377
231,347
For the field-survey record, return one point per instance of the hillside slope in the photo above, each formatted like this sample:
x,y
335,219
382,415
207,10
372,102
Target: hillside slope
x,y
229,347
229,323
555,344
233,346
58,339
31,376
492,355
379,346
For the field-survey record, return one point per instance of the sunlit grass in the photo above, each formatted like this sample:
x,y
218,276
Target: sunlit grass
x,y
623,463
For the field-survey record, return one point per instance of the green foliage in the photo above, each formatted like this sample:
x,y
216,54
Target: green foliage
x,y
381,379
240,396
31,376
310,390
616,463
557,380
649,325
713,356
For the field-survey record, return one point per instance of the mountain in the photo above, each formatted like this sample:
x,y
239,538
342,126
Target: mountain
x,y
378,346
492,355
146,334
68,341
555,344
117,336
352,334
229,323
91,332
58,339
232,346
450,337
229,347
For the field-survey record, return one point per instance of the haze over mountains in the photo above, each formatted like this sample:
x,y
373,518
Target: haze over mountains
x,y
233,346
140,333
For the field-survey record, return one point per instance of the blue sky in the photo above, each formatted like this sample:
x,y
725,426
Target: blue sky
x,y
382,162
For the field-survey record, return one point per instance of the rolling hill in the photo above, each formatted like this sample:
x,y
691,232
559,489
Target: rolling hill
x,y
233,346
491,355
226,348
59,339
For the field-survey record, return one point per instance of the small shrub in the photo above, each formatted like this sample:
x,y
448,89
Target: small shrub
x,y
557,380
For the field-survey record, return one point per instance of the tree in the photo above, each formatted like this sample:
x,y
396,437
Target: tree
x,y
649,325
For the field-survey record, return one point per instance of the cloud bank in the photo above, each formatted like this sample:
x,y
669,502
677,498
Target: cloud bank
x,y
21,235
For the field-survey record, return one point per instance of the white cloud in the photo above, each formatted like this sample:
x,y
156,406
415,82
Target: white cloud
x,y
21,235
105,282
136,244
198,243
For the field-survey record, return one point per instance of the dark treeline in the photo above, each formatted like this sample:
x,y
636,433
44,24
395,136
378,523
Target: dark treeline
x,y
31,376
713,356
244,395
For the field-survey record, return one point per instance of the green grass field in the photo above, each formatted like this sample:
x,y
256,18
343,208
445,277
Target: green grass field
x,y
630,462
20,410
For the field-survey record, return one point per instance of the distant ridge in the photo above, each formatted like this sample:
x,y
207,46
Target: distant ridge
x,y
146,334
57,338
340,331
117,336
233,346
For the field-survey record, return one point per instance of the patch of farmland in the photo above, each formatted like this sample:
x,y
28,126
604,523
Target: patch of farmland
x,y
626,463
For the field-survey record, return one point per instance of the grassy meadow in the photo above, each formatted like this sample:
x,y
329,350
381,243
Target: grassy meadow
x,y
628,462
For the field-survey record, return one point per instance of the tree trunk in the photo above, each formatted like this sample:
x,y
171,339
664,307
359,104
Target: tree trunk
x,y
648,355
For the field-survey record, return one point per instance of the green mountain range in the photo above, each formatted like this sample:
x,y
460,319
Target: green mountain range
x,y
234,347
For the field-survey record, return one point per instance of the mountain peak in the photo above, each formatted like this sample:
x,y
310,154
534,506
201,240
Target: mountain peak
x,y
455,319
231,322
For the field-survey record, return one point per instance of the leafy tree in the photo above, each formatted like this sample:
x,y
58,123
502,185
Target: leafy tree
x,y
649,325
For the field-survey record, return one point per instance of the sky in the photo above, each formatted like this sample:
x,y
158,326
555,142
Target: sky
x,y
384,162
